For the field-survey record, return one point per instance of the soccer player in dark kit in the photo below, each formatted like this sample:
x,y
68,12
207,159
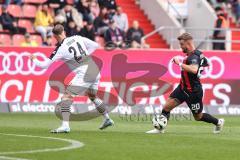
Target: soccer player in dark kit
x,y
189,90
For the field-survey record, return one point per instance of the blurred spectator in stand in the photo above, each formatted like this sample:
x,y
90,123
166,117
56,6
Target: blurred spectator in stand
x,y
101,22
43,21
70,14
135,35
17,2
56,4
59,19
71,29
121,19
238,13
9,22
28,42
114,35
94,9
83,7
220,32
48,41
101,3
111,5
230,10
88,31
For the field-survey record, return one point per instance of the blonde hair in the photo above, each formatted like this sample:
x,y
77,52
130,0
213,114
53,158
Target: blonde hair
x,y
58,29
185,37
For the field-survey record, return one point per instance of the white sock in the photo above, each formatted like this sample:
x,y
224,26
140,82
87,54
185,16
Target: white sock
x,y
65,124
101,107
97,102
106,116
219,122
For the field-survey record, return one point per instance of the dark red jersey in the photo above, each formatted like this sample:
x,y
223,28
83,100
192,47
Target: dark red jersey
x,y
189,81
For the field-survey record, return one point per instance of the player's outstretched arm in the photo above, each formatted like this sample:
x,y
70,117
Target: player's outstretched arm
x,y
42,64
189,68
193,68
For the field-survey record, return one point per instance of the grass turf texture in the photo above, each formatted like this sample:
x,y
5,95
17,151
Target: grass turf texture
x,y
184,139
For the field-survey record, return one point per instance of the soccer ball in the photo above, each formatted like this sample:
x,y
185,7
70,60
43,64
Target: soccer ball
x,y
159,122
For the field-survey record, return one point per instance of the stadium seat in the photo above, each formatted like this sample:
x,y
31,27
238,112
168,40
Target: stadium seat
x,y
15,10
35,1
4,31
134,12
29,11
5,40
27,24
18,39
37,38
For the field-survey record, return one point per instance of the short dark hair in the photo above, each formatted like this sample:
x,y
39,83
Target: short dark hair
x,y
58,29
185,37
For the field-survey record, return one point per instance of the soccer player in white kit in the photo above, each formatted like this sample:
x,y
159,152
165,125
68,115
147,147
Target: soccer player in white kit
x,y
76,50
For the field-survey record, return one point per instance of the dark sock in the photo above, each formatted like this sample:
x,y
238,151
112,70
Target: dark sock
x,y
209,119
166,114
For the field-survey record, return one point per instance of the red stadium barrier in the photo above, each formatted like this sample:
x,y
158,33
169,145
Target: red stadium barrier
x,y
22,82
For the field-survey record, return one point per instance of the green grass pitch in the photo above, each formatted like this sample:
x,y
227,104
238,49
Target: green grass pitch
x,y
184,139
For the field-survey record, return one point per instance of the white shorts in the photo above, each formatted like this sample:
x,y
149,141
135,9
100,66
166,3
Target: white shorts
x,y
78,86
86,78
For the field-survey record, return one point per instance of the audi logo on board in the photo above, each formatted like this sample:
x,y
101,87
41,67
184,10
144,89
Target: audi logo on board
x,y
214,71
13,63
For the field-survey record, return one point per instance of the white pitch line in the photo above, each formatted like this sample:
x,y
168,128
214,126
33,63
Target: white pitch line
x,y
11,158
73,145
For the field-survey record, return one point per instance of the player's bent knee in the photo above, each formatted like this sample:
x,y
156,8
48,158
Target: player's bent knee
x,y
91,96
170,104
197,117
66,97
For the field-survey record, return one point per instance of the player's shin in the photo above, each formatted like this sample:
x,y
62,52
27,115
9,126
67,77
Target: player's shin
x,y
166,114
101,107
209,118
65,111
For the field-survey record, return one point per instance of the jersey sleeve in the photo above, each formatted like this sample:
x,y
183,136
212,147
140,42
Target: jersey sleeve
x,y
91,46
43,64
56,54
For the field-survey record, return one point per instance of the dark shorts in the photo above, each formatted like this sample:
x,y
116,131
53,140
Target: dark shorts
x,y
193,100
